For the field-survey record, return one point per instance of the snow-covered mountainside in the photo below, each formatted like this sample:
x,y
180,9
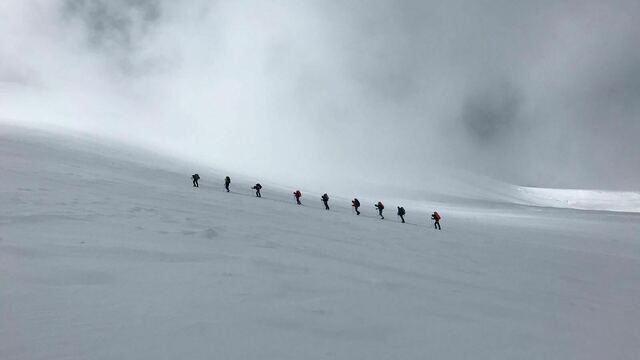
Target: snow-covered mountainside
x,y
107,253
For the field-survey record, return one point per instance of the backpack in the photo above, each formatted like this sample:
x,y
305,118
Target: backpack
x,y
356,203
227,180
325,197
196,177
436,216
401,211
258,186
380,205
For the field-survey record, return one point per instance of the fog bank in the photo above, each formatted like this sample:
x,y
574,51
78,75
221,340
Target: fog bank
x,y
535,93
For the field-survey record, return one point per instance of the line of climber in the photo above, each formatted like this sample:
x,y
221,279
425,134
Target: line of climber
x,y
355,203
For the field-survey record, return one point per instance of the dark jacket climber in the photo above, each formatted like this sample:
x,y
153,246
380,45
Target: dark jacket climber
x,y
380,207
195,178
436,217
325,200
356,204
257,188
297,194
227,182
401,213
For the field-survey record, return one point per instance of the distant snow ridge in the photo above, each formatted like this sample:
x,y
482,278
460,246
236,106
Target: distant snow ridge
x,y
625,201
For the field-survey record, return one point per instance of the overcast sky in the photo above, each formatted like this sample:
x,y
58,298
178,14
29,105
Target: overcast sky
x,y
543,93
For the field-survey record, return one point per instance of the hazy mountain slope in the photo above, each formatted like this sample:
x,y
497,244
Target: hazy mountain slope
x,y
107,254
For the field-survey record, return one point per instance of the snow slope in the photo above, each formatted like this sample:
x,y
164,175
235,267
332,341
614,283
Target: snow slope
x,y
107,253
625,201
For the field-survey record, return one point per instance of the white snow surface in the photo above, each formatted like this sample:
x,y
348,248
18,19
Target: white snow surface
x,y
107,253
625,201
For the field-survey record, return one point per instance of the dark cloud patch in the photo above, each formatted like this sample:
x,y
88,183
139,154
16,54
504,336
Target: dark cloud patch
x,y
491,114
114,23
117,29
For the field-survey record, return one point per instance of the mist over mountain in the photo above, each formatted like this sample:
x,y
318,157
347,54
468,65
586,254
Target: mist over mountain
x,y
395,93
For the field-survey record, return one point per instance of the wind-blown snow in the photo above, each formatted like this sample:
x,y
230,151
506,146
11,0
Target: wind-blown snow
x,y
109,254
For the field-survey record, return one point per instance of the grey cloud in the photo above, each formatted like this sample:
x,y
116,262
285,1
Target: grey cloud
x,y
115,23
117,29
491,113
